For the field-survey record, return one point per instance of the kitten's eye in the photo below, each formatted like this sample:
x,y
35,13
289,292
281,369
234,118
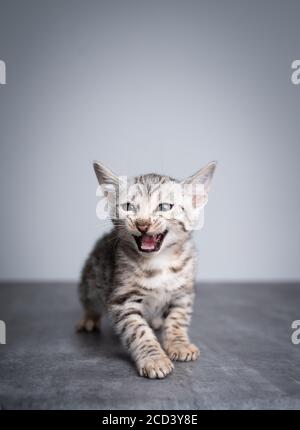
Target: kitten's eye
x,y
128,207
164,207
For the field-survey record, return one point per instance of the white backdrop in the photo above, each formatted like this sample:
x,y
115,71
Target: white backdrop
x,y
150,86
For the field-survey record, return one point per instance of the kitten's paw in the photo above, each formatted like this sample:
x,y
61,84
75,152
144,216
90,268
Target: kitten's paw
x,y
182,351
155,367
88,324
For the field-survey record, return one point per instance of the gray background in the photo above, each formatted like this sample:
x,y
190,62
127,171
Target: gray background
x,y
145,86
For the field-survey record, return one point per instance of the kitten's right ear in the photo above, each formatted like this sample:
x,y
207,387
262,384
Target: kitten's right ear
x,y
104,175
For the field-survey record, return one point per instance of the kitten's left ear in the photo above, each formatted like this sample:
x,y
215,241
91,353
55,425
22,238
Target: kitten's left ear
x,y
199,185
203,176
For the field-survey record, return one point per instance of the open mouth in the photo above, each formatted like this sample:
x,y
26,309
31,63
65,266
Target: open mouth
x,y
150,243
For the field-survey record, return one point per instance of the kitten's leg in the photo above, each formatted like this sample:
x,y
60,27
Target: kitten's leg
x,y
176,342
90,297
90,322
127,315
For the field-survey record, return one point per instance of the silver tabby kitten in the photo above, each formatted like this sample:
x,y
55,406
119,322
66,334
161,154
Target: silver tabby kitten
x,y
142,272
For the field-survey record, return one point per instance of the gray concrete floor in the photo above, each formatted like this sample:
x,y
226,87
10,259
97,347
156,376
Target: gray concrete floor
x,y
243,330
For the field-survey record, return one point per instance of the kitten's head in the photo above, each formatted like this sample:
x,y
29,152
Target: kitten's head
x,y
154,212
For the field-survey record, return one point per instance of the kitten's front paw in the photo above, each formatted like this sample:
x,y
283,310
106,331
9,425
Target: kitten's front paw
x,y
182,351
155,367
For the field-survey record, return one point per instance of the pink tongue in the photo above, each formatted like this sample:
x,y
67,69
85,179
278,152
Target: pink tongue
x,y
148,242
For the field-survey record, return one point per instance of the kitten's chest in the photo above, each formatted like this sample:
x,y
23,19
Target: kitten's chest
x,y
165,274
156,303
163,280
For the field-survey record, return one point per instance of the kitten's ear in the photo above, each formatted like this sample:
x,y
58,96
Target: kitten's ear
x,y
104,175
109,182
203,176
198,185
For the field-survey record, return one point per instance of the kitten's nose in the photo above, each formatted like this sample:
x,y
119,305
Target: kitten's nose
x,y
142,226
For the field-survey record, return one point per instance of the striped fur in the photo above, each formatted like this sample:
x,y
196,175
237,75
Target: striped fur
x,y
143,292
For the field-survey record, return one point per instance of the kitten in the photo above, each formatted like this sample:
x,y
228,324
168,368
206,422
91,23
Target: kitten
x,y
142,272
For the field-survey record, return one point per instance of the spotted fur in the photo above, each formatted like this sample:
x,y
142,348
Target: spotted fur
x,y
144,291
